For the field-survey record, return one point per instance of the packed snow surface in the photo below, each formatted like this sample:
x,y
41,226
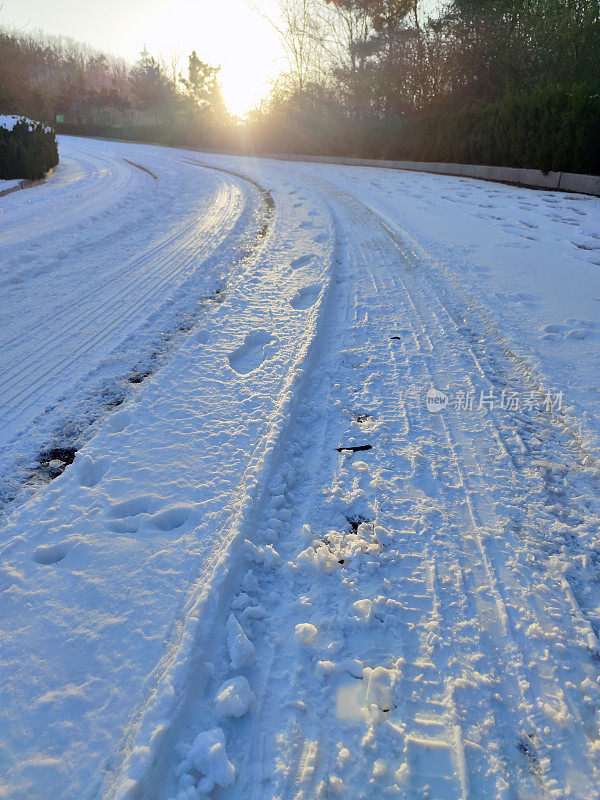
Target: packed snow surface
x,y
299,478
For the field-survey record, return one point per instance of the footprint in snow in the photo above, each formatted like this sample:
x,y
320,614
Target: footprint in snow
x,y
252,352
130,508
578,333
303,261
171,518
48,554
554,327
124,526
305,298
91,472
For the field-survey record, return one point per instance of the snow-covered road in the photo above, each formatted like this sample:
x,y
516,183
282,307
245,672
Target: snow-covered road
x,y
331,526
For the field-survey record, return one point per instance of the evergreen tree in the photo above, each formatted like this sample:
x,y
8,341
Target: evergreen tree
x,y
202,84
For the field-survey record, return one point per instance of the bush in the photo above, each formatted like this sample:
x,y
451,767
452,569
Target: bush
x,y
554,128
29,150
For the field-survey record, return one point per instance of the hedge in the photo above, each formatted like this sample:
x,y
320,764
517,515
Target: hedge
x,y
550,129
28,151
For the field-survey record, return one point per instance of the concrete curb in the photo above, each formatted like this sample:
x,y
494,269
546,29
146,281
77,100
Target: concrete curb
x,y
27,184
585,184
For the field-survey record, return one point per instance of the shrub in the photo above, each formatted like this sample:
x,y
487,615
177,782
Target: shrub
x,y
29,150
552,128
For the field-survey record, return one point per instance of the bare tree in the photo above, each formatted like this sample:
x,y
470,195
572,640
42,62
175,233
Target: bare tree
x,y
298,27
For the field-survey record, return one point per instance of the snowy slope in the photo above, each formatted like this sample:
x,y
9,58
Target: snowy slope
x,y
219,597
531,258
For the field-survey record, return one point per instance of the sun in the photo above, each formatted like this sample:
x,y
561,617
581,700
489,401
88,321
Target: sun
x,y
230,34
251,57
243,91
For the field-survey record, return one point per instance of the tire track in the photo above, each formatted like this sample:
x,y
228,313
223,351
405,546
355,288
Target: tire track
x,y
197,633
97,323
459,710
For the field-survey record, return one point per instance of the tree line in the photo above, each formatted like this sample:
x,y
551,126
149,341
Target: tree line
x,y
45,76
506,82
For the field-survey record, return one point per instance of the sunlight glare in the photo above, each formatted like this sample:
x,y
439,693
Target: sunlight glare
x,y
243,90
230,34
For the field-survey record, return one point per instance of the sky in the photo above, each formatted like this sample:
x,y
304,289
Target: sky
x,y
231,33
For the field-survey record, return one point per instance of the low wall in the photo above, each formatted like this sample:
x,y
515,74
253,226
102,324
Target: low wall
x,y
533,178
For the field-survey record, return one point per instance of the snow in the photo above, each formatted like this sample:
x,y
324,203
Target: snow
x,y
8,121
305,633
206,757
241,649
234,697
217,597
